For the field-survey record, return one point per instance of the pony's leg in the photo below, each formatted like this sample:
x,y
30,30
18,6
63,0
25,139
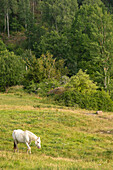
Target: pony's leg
x,y
15,146
28,148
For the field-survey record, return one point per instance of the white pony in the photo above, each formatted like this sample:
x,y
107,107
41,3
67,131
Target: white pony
x,y
21,136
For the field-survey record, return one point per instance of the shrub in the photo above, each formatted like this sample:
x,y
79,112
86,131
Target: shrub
x,y
81,82
82,92
43,87
64,80
47,85
99,100
11,70
31,87
45,67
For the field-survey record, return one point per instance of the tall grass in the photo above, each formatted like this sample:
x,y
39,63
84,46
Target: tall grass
x,y
71,139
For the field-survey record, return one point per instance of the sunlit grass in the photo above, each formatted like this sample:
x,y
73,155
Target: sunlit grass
x,y
71,139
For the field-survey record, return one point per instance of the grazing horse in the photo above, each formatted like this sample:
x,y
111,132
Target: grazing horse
x,y
21,136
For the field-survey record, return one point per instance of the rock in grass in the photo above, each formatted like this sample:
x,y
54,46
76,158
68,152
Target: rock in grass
x,y
58,90
99,112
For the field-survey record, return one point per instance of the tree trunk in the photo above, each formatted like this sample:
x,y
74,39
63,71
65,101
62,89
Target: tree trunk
x,y
105,78
4,22
33,9
7,16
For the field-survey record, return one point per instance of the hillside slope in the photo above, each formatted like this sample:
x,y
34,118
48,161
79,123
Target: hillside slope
x,y
71,139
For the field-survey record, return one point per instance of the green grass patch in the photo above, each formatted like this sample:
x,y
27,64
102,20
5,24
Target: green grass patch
x,y
71,139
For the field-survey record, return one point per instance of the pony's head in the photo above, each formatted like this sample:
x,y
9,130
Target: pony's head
x,y
38,143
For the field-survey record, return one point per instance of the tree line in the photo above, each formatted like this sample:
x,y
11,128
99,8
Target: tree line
x,y
46,39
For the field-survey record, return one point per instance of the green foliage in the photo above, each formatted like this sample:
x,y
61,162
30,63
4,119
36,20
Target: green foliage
x,y
81,82
42,68
24,13
58,15
59,46
64,80
90,2
43,87
93,40
99,100
34,36
77,38
55,43
109,5
33,72
81,92
31,87
2,47
110,88
11,69
15,25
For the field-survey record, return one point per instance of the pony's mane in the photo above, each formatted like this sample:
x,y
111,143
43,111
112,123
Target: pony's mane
x,y
31,133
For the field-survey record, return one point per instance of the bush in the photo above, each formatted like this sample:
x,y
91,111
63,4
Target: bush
x,y
43,87
81,82
31,87
12,70
99,100
46,86
45,67
82,92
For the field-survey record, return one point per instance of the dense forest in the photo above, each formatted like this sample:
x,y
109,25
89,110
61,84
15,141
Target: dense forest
x,y
46,44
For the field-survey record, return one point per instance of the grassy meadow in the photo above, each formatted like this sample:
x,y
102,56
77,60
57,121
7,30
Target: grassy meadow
x,y
71,139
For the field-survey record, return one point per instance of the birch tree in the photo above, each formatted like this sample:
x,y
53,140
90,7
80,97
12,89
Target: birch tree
x,y
8,7
93,41
58,14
